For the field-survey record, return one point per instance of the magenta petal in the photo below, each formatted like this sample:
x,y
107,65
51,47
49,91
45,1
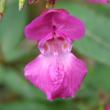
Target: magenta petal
x,y
39,28
57,76
55,23
69,26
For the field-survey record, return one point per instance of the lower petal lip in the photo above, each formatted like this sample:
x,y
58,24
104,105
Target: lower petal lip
x,y
57,76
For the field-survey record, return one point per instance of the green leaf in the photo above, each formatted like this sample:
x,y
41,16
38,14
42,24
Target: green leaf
x,y
99,79
101,9
60,104
12,26
32,105
96,44
17,83
22,106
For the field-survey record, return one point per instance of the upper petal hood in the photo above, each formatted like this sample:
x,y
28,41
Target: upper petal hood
x,y
55,21
58,77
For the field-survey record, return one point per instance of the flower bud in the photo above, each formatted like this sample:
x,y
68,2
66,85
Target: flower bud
x,y
21,4
2,7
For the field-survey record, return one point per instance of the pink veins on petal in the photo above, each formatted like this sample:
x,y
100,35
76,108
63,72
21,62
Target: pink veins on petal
x,y
56,71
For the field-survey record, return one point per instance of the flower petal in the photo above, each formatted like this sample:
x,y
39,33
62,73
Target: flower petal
x,y
68,26
58,22
39,28
57,76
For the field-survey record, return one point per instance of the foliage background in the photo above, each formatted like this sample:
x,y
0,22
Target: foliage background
x,y
15,52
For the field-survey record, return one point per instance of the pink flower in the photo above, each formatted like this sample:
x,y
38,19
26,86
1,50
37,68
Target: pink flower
x,y
56,71
99,1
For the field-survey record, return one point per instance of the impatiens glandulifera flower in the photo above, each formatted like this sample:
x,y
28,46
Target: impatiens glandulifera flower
x,y
99,1
56,71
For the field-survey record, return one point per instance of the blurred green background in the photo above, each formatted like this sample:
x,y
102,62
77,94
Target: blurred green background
x,y
16,93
